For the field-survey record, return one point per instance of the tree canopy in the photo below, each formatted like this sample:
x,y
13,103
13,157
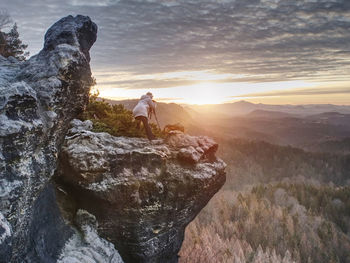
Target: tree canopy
x,y
10,43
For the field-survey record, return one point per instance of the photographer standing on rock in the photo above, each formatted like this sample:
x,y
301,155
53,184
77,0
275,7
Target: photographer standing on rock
x,y
141,113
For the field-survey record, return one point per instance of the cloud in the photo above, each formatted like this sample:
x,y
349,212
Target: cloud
x,y
147,84
93,2
285,39
300,92
272,39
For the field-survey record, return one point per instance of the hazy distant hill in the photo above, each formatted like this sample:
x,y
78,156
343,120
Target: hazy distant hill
x,y
294,126
284,131
340,146
333,118
268,114
244,107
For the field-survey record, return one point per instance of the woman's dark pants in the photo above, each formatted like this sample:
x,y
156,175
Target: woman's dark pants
x,y
144,120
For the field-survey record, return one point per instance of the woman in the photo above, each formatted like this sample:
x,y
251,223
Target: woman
x,y
141,112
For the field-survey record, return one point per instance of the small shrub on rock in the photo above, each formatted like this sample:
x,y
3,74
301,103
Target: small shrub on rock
x,y
114,119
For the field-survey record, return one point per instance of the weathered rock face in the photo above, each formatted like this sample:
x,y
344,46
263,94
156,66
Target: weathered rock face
x,y
143,195
38,99
108,191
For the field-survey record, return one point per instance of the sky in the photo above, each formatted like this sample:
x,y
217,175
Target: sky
x,y
208,51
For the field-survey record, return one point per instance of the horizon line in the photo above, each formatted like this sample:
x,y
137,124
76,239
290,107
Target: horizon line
x,y
163,100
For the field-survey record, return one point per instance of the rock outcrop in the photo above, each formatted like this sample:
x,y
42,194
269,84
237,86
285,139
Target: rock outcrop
x,y
142,194
38,99
72,195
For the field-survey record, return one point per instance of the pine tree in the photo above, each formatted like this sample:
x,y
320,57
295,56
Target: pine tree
x,y
14,46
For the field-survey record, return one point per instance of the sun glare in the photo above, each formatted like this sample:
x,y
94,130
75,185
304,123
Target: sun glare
x,y
210,87
203,93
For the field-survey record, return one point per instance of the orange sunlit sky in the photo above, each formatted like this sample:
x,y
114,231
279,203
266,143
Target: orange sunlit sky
x,y
208,51
209,88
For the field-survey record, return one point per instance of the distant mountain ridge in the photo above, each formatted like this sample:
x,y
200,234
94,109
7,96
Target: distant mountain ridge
x,y
245,107
334,118
268,114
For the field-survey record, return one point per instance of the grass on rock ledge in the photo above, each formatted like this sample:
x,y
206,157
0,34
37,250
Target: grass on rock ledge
x,y
114,119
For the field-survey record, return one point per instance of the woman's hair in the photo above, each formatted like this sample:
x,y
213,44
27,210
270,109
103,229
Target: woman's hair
x,y
149,94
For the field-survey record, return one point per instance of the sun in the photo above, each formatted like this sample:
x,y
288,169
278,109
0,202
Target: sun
x,y
203,93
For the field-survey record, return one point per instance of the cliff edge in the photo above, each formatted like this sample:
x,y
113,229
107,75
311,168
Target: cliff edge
x,y
71,195
38,99
143,194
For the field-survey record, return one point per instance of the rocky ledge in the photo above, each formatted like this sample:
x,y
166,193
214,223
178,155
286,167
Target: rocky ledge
x,y
143,194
